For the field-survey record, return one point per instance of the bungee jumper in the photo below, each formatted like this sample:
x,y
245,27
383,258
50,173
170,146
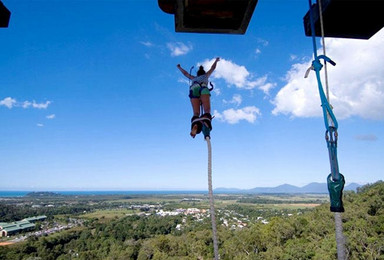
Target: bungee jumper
x,y
199,94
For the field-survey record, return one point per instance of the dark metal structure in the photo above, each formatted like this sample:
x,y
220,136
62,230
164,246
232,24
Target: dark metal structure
x,y
357,19
5,14
210,16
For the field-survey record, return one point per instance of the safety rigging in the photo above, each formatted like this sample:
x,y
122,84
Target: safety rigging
x,y
335,180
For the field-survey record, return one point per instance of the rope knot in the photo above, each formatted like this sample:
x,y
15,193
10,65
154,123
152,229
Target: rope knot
x,y
316,64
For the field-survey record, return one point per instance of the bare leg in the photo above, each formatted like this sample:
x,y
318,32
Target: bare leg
x,y
195,106
205,100
196,113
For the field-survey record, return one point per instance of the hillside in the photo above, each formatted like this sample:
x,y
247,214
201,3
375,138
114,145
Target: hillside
x,y
305,235
313,187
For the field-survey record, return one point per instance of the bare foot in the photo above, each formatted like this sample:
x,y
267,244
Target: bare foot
x,y
194,131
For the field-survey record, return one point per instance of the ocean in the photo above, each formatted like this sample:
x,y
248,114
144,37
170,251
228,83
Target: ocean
x,y
143,192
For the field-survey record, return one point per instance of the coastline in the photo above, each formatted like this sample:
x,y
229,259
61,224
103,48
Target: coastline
x,y
8,194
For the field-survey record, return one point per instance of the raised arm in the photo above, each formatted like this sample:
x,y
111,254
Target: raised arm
x,y
213,67
185,73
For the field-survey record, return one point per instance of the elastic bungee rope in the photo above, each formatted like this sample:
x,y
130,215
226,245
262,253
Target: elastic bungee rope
x,y
211,201
335,180
340,240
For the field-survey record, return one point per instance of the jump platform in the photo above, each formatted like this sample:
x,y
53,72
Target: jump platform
x,y
5,14
210,16
357,19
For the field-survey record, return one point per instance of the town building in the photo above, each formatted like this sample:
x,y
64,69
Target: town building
x,y
27,224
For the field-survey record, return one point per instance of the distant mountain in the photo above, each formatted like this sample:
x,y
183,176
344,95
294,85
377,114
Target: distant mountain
x,y
285,188
313,187
352,186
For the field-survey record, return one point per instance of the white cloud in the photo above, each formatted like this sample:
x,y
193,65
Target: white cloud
x,y
233,116
26,104
147,44
293,57
264,85
237,75
52,116
8,102
179,48
41,105
39,125
236,99
11,102
356,83
262,42
217,91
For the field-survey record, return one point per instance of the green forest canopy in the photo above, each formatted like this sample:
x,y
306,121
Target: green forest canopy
x,y
309,235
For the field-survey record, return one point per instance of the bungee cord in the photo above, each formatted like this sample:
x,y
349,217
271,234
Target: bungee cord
x,y
206,132
335,180
340,240
211,201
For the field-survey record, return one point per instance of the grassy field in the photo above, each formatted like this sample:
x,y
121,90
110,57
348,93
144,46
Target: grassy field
x,y
272,202
108,214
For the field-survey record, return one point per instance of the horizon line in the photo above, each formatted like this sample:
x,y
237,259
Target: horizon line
x,y
25,189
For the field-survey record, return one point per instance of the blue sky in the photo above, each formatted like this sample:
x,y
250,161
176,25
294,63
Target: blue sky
x,y
91,99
